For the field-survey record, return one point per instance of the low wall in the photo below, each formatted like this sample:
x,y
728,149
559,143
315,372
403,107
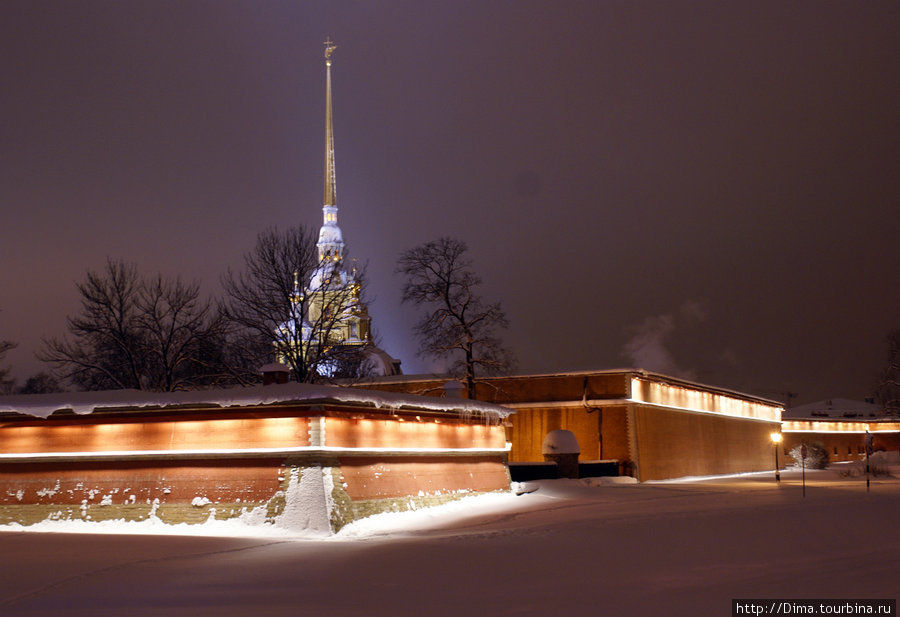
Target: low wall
x,y
306,468
334,491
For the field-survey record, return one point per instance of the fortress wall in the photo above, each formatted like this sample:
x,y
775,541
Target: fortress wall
x,y
314,467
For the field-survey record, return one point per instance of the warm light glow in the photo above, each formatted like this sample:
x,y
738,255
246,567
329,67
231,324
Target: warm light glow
x,y
242,452
401,433
776,437
692,399
830,426
193,435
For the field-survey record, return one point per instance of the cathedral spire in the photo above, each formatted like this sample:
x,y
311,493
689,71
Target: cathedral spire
x,y
331,244
330,188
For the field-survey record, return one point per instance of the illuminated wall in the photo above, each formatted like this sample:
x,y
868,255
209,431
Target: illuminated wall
x,y
693,398
186,465
674,443
420,431
200,432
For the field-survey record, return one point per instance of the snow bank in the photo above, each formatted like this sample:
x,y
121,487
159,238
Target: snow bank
x,y
433,517
249,524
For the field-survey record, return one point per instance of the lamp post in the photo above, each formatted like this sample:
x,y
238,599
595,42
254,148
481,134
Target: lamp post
x,y
776,439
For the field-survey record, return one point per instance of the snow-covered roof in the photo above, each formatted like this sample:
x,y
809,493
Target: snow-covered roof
x,y
833,408
42,405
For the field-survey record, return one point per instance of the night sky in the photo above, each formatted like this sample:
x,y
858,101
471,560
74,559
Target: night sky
x,y
706,189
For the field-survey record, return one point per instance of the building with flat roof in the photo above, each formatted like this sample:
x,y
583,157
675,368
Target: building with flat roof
x,y
652,426
840,426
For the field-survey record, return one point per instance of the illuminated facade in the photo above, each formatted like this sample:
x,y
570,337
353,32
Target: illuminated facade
x,y
656,427
652,426
336,316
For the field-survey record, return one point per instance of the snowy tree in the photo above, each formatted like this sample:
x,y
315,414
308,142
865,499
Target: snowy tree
x,y
457,323
155,334
887,392
278,316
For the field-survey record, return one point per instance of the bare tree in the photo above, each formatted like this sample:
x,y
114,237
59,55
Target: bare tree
x,y
131,333
457,323
40,383
242,351
105,351
6,384
887,392
182,335
271,302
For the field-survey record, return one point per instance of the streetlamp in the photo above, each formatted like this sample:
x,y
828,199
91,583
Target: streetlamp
x,y
776,439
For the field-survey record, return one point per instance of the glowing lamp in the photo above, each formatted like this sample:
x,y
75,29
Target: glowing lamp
x,y
776,439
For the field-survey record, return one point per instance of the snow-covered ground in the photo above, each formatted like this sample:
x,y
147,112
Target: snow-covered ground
x,y
567,548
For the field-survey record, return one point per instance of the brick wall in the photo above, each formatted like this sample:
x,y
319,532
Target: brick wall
x,y
673,444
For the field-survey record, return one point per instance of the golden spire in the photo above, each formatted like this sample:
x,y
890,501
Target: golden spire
x,y
330,188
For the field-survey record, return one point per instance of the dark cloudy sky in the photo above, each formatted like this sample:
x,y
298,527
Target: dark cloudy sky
x,y
708,189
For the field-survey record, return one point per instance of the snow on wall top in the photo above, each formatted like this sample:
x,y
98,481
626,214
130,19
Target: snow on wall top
x,y
42,405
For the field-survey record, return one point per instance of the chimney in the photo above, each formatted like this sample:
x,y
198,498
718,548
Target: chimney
x,y
274,373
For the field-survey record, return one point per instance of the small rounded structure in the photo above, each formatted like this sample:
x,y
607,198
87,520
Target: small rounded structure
x,y
560,442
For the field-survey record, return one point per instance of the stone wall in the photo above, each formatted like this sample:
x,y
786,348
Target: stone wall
x,y
674,444
327,492
306,468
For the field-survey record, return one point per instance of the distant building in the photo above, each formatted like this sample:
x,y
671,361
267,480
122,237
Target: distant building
x,y
840,426
336,315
